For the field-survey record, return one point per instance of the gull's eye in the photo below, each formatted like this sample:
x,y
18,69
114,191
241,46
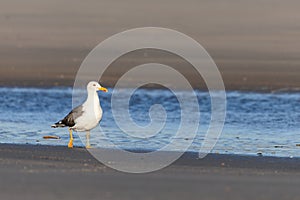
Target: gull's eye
x,y
94,84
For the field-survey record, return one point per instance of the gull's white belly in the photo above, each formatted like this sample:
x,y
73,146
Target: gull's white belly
x,y
89,120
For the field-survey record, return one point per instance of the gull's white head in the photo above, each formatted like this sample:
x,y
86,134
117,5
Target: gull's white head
x,y
95,86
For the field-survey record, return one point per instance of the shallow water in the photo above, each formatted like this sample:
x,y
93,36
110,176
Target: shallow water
x,y
255,122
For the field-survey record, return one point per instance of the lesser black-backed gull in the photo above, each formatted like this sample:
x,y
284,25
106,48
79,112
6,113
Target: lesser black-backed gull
x,y
86,116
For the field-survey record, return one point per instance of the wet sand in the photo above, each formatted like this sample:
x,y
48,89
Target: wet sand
x,y
254,43
53,172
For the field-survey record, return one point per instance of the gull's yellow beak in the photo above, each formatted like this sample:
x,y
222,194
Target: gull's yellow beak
x,y
103,89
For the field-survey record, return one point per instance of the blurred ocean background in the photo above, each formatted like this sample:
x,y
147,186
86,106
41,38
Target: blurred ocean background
x,y
256,123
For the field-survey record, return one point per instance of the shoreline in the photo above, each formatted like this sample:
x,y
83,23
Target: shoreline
x,y
187,159
190,155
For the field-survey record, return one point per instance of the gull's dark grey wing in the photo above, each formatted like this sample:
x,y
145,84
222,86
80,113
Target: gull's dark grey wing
x,y
69,120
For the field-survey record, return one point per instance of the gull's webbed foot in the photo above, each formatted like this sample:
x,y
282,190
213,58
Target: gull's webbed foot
x,y
70,144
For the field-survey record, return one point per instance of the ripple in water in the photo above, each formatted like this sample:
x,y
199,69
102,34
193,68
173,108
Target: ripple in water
x,y
255,122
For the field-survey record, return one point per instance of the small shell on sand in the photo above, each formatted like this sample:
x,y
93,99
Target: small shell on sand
x,y
51,137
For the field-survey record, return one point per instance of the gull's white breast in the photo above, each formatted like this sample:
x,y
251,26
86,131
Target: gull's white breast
x,y
91,116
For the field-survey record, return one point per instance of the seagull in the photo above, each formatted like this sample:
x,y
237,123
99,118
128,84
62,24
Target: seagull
x,y
86,116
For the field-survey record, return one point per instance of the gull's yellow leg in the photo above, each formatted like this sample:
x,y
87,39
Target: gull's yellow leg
x,y
88,145
70,145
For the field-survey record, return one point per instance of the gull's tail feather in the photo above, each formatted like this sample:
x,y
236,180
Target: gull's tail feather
x,y
58,124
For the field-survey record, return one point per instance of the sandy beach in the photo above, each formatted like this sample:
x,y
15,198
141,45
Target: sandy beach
x,y
254,43
55,172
